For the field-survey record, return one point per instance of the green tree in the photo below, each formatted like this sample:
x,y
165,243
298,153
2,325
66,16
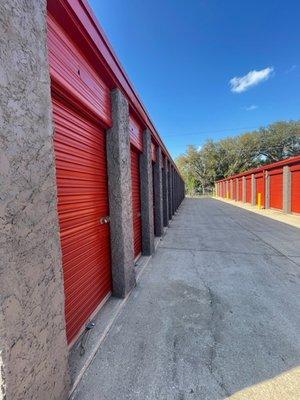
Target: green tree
x,y
232,155
279,141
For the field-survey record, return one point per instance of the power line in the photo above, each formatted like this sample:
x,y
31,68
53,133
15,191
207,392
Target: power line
x,y
206,132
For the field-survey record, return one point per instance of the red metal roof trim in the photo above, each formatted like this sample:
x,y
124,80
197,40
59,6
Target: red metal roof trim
x,y
266,167
85,16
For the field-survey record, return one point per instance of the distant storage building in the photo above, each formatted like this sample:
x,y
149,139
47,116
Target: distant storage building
x,y
274,186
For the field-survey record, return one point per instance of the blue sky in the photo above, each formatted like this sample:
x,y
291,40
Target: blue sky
x,y
182,55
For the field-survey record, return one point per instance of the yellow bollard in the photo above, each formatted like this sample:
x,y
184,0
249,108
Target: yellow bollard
x,y
259,201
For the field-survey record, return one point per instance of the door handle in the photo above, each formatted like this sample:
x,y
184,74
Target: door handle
x,y
104,220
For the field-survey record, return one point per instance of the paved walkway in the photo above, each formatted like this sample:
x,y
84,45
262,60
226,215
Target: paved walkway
x,y
290,219
216,314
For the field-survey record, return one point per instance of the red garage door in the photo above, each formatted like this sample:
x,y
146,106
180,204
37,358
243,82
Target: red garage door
x,y
260,188
248,189
229,190
276,188
136,202
80,152
234,189
240,189
295,188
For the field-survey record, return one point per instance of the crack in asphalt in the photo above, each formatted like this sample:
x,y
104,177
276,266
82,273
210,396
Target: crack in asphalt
x,y
213,328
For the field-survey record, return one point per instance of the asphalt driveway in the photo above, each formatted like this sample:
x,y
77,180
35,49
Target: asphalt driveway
x,y
216,314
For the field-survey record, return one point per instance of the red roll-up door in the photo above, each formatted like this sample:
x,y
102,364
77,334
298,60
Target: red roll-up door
x,y
295,189
260,188
276,188
240,189
230,189
80,152
248,189
234,189
136,202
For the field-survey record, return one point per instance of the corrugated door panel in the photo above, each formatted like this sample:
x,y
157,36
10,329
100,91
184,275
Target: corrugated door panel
x,y
295,189
136,202
260,188
80,152
136,133
240,189
276,189
69,67
248,189
233,189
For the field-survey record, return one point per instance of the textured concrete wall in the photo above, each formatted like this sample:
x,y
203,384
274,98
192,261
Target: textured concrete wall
x,y
34,348
120,196
165,193
158,195
176,190
170,190
174,197
147,195
286,189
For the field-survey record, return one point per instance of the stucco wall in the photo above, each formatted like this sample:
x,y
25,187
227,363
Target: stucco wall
x,y
34,349
120,196
147,195
158,194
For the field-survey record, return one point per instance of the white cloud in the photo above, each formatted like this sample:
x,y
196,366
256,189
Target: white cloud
x,y
251,108
240,84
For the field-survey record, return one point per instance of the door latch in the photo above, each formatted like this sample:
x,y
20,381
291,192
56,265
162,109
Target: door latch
x,y
104,220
